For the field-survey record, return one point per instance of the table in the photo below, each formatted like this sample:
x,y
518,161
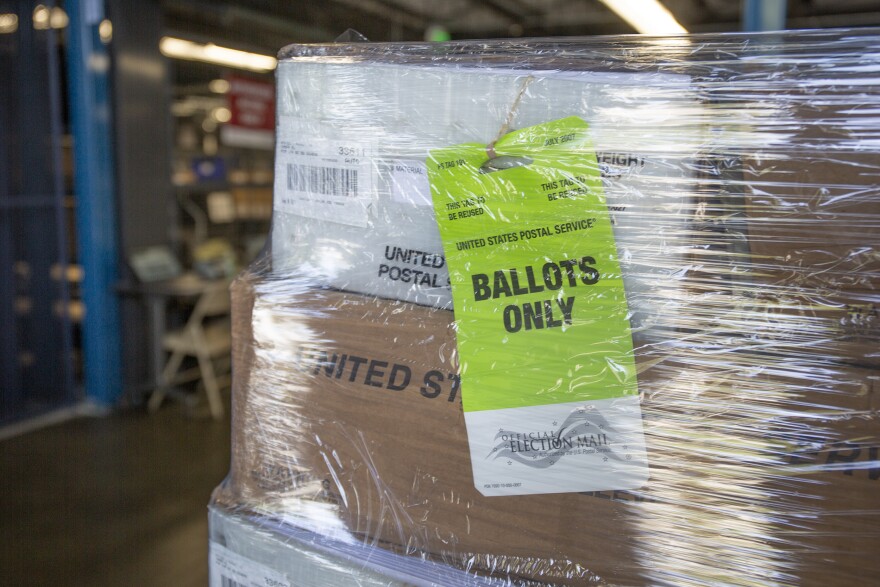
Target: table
x,y
188,286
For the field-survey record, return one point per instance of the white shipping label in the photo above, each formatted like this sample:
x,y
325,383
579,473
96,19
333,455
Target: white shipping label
x,y
229,569
325,179
558,448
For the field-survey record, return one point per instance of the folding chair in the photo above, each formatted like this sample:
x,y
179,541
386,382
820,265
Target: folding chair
x,y
207,337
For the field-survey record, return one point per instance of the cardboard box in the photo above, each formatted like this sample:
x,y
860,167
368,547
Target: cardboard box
x,y
761,465
766,465
829,501
817,327
382,439
840,326
813,218
366,224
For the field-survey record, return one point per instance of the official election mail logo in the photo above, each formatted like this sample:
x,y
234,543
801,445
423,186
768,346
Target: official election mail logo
x,y
593,445
586,431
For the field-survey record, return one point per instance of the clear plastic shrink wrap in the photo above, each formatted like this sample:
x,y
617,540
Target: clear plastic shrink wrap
x,y
740,178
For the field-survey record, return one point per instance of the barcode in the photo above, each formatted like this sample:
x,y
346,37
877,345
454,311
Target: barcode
x,y
328,181
227,582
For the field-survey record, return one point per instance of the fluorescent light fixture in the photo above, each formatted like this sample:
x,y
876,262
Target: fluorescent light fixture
x,y
648,17
211,53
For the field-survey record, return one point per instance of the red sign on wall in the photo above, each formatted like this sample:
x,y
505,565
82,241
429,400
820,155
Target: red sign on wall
x,y
252,106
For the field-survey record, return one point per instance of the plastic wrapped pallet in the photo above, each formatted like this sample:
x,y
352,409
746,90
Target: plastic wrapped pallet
x,y
731,185
248,552
378,235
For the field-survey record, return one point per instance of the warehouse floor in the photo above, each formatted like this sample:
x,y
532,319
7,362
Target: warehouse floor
x,y
120,500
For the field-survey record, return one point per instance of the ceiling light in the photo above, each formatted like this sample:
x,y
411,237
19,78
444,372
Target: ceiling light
x,y
41,17
648,17
105,31
8,23
58,19
221,114
211,53
46,18
218,86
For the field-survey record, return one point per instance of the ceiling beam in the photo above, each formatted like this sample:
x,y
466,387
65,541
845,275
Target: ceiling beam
x,y
506,9
226,15
392,13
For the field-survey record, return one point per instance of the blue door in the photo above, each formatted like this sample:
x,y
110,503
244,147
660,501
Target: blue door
x,y
37,279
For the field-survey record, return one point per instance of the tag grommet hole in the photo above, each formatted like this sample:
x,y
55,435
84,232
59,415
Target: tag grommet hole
x,y
504,162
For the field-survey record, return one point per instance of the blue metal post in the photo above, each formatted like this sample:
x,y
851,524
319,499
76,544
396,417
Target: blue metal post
x,y
96,210
763,15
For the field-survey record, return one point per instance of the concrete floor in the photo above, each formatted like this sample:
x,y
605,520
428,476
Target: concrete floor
x,y
120,500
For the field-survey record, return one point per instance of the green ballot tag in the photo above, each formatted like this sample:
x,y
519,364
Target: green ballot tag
x,y
548,377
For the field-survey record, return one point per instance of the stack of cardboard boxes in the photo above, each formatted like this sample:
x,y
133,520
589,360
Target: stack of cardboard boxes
x,y
752,281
